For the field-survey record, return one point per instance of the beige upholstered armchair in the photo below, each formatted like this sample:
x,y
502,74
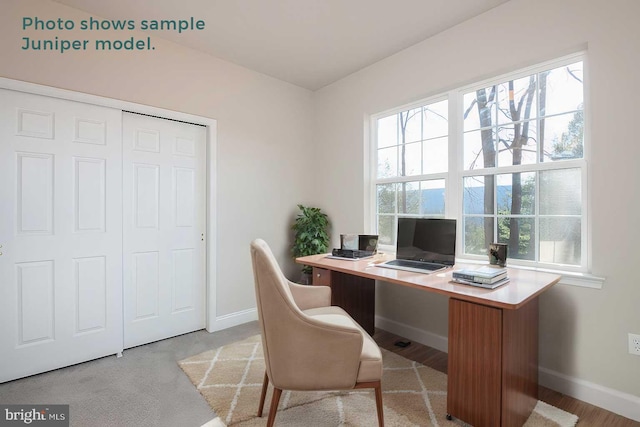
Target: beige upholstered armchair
x,y
308,344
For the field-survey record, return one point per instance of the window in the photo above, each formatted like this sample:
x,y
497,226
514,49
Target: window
x,y
412,149
518,176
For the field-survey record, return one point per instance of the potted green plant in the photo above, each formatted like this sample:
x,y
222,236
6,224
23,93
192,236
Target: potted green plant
x,y
311,236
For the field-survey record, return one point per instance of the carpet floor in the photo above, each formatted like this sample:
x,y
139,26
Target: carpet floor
x,y
230,379
144,388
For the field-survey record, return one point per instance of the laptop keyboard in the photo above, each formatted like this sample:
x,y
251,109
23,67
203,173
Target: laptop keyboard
x,y
416,264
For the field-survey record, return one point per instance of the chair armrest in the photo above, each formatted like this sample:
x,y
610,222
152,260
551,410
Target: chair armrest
x,y
307,297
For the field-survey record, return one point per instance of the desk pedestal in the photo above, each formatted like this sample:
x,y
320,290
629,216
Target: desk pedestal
x,y
356,295
493,363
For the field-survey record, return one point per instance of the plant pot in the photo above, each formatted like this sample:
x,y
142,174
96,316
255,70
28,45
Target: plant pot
x,y
306,279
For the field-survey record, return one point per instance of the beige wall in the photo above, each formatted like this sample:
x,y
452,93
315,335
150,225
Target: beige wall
x,y
583,331
263,128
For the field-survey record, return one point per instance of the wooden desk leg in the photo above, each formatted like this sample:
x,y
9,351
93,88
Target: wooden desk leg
x,y
474,361
519,363
493,363
357,296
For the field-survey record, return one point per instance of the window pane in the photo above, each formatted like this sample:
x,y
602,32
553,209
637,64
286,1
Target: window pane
x,y
433,193
517,144
561,192
421,198
478,195
435,117
523,231
561,89
478,233
517,100
388,162
516,193
411,125
409,198
479,108
410,159
386,230
476,154
386,198
436,156
560,240
388,131
562,136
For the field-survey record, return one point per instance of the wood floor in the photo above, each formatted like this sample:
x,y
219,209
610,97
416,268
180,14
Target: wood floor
x,y
588,415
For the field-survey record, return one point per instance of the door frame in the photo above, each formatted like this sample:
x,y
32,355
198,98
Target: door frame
x,y
211,171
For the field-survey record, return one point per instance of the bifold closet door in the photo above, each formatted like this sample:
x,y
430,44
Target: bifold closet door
x,y
164,197
60,233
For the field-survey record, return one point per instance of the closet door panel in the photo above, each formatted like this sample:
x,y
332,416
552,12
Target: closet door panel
x,y
60,233
164,189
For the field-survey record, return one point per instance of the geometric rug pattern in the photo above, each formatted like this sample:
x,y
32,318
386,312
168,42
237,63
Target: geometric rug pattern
x,y
230,379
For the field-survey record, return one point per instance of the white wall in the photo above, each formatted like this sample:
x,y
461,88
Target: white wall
x,y
583,332
263,128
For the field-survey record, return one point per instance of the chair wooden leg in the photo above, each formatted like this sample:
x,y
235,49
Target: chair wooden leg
x,y
377,386
379,405
275,399
265,385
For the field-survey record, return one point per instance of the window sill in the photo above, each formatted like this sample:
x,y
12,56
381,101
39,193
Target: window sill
x,y
583,280
571,278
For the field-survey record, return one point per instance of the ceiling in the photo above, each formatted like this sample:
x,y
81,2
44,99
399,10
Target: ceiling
x,y
309,43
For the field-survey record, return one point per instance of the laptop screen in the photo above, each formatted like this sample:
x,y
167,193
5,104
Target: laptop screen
x,y
427,239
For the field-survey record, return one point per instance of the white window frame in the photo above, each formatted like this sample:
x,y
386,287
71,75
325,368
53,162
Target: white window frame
x,y
573,275
371,211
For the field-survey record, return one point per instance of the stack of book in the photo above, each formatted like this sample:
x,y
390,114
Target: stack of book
x,y
484,277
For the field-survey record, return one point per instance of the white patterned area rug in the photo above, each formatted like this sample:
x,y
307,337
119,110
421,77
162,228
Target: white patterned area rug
x,y
230,379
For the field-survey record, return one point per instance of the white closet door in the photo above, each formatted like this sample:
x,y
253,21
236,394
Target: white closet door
x,y
164,220
60,233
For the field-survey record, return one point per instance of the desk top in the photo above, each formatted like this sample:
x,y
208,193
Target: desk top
x,y
522,287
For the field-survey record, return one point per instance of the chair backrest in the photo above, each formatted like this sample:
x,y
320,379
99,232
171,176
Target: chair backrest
x,y
280,318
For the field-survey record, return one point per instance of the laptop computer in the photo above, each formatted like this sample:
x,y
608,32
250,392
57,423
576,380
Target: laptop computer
x,y
424,245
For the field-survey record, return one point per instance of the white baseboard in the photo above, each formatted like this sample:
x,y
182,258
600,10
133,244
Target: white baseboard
x,y
612,400
235,319
423,337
